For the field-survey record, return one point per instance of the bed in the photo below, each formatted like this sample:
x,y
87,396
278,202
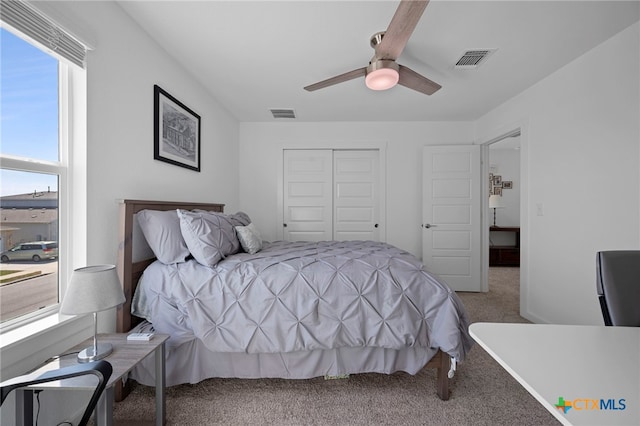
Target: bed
x,y
283,310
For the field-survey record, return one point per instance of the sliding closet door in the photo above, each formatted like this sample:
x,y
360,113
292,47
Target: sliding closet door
x,y
355,195
308,195
331,195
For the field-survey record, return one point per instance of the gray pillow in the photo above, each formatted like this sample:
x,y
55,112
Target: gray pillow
x,y
209,236
162,231
237,219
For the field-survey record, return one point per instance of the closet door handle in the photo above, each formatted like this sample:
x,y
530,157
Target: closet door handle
x,y
284,225
375,226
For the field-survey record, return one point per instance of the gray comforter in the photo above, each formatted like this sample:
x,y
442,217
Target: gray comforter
x,y
305,296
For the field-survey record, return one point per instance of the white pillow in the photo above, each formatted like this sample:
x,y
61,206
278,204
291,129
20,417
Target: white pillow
x,y
249,238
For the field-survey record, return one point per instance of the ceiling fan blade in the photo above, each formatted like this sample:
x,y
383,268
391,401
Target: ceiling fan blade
x,y
411,79
337,79
400,28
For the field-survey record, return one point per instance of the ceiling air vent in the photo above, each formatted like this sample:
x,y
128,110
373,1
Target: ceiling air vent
x,y
283,113
473,58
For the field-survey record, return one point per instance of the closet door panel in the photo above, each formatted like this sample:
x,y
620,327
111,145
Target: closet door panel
x,y
308,195
356,195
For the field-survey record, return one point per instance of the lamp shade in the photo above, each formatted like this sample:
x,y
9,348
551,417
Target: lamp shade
x,y
92,289
495,202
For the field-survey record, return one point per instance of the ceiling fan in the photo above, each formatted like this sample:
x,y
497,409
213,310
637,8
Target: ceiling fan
x,y
383,72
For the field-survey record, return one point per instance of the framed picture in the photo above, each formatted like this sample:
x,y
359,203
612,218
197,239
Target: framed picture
x,y
176,131
497,191
497,180
507,184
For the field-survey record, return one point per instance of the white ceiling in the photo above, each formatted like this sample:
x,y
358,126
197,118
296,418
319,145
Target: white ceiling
x,y
254,56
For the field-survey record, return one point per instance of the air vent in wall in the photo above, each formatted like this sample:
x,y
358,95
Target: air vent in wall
x,y
283,113
473,58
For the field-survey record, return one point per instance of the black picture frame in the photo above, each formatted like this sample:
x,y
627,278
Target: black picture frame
x,y
176,131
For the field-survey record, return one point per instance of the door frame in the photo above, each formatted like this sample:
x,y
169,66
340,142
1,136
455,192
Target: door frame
x,y
495,136
380,146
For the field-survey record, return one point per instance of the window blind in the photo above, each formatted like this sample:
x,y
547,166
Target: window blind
x,y
32,23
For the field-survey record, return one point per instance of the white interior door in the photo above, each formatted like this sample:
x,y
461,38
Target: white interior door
x,y
451,215
356,195
308,195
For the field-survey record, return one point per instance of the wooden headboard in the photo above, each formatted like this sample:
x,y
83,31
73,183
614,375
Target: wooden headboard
x,y
130,269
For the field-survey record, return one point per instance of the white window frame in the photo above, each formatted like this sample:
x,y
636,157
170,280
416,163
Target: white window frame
x,y
71,171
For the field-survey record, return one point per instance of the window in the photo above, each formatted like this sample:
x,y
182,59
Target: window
x,y
38,79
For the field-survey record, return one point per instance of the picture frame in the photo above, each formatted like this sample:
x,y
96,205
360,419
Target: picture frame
x,y
507,184
497,191
176,131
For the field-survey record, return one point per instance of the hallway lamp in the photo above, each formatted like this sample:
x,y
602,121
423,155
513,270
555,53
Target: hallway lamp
x,y
93,289
495,202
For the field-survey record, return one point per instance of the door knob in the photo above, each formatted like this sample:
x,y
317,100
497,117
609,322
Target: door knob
x,y
428,225
284,224
375,226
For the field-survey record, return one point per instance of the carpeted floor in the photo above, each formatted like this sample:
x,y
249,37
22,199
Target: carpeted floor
x,y
482,392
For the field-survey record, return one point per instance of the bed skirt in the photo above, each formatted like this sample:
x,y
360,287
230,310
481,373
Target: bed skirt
x,y
192,362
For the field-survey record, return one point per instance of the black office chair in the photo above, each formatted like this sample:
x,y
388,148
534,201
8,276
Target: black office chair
x,y
101,369
618,286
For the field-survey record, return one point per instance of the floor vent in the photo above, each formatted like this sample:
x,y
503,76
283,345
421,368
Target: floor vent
x,y
283,113
473,58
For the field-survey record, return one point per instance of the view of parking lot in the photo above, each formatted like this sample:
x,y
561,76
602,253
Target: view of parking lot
x,y
26,287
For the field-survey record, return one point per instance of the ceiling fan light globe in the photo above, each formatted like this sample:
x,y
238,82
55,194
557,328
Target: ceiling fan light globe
x,y
382,75
382,79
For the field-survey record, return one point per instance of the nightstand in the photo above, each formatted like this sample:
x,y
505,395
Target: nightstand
x,y
126,355
505,255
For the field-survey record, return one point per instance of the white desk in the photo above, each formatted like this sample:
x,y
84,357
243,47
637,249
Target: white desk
x,y
589,366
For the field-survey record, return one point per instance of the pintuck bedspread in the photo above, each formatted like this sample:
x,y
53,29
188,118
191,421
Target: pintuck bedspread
x,y
305,296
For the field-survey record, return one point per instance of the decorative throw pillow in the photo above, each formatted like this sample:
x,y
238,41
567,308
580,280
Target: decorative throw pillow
x,y
162,231
209,236
249,238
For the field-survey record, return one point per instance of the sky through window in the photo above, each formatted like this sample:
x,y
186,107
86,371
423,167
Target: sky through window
x,y
28,112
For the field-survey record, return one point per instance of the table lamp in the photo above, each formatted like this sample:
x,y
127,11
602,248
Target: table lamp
x,y
93,289
495,202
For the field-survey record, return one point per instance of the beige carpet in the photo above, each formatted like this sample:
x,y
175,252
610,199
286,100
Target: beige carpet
x,y
482,392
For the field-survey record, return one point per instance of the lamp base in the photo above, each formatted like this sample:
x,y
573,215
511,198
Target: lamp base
x,y
88,354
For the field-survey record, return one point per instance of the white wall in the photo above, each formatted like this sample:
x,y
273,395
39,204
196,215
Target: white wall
x,y
122,69
580,164
260,166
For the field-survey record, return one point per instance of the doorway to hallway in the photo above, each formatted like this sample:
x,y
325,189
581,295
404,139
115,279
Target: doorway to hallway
x,y
504,188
